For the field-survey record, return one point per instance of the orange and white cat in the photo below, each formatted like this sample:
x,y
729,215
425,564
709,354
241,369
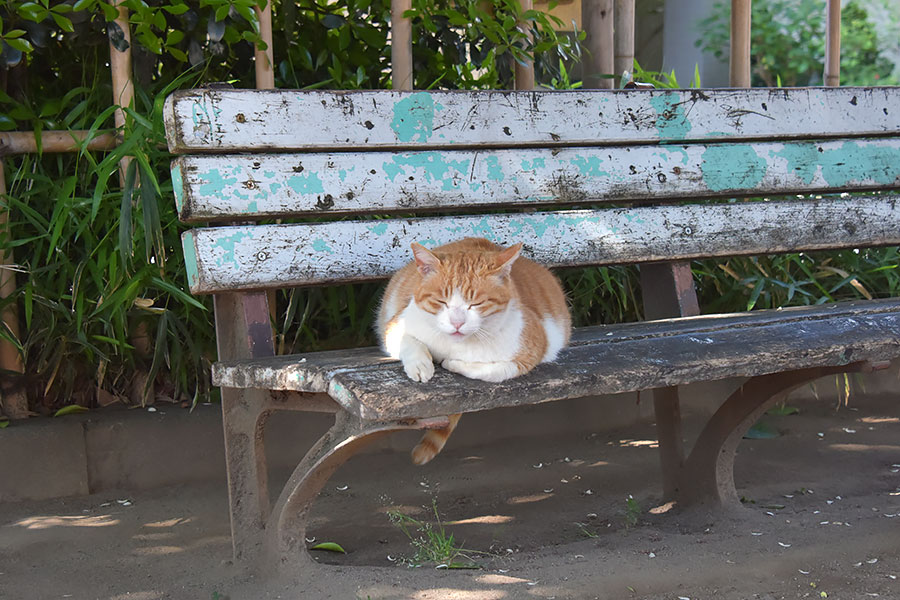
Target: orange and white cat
x,y
479,310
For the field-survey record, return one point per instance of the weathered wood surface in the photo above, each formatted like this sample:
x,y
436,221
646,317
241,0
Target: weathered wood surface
x,y
600,360
281,120
260,256
228,186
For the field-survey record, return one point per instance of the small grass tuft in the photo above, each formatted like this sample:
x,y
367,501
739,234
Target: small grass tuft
x,y
632,511
432,543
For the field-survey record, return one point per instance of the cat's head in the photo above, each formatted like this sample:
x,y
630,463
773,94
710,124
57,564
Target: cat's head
x,y
465,289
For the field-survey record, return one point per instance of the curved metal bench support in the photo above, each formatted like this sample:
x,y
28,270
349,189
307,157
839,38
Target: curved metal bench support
x,y
286,526
708,474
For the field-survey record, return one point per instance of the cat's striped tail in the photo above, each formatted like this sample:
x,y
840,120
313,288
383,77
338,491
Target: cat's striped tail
x,y
433,442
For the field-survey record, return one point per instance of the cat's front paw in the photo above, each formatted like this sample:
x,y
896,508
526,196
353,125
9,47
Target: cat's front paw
x,y
419,367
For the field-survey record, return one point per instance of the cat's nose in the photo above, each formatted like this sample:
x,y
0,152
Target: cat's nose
x,y
457,319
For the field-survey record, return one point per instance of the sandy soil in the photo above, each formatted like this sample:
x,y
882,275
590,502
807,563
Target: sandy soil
x,y
544,518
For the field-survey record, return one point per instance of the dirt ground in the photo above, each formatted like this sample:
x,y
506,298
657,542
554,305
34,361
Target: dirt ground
x,y
542,517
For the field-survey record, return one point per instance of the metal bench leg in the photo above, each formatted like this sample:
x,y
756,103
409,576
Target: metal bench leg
x,y
244,413
286,527
708,474
668,291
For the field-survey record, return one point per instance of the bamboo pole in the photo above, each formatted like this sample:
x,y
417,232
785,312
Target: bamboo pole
x,y
401,46
14,400
265,59
24,142
624,38
832,75
597,22
524,73
265,80
740,44
120,65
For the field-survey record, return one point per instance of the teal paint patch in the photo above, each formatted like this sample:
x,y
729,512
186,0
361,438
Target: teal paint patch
x,y
379,229
850,163
306,184
483,229
178,186
732,167
320,245
228,245
494,170
853,162
433,166
269,174
253,207
191,267
671,121
414,117
274,187
215,184
532,165
589,166
429,242
802,160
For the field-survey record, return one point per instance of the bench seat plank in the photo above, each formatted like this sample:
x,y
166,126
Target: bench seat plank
x,y
256,257
216,120
220,187
601,360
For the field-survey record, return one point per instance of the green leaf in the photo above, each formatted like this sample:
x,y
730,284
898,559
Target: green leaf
x,y
4,422
32,11
329,546
72,409
176,9
64,23
761,431
110,12
20,44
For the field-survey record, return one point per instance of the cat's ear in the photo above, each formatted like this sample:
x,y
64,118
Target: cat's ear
x,y
425,260
505,259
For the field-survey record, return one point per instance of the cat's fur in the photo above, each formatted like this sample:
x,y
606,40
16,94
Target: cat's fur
x,y
479,310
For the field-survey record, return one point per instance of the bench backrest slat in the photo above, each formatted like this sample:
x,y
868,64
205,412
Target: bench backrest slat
x,y
256,186
217,120
262,256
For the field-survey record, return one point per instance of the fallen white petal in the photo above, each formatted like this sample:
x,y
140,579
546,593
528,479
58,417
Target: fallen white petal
x,y
342,488
872,561
537,466
803,572
755,533
783,545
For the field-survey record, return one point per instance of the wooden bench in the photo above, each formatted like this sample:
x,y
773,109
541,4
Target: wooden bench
x,y
582,178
